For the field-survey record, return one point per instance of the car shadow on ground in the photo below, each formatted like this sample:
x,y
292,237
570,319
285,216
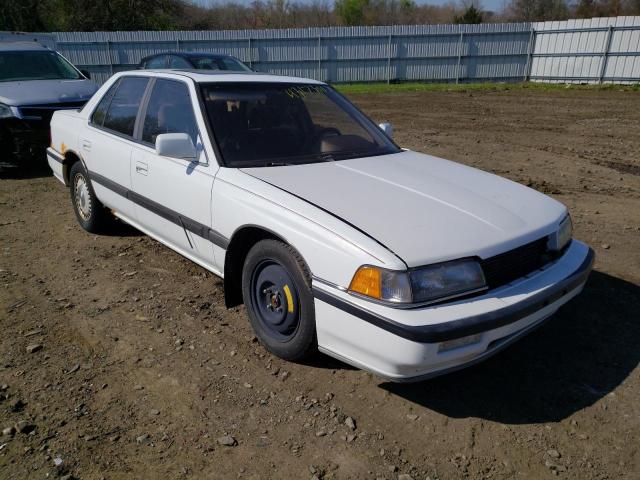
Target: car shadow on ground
x,y
325,362
121,229
583,353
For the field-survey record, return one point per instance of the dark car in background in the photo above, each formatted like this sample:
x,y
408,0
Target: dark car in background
x,y
193,60
35,81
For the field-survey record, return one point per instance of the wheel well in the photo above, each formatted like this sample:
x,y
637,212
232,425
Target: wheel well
x,y
69,159
241,242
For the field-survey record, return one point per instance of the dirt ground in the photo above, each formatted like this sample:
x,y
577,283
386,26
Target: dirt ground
x,y
142,370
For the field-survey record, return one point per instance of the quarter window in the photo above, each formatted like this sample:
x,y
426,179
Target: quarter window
x,y
123,110
169,111
101,110
157,62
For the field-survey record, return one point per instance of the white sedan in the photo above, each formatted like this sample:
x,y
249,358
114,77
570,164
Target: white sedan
x,y
333,237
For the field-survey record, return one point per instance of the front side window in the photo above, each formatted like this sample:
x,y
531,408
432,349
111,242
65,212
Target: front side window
x,y
262,124
123,109
230,63
169,111
219,63
35,65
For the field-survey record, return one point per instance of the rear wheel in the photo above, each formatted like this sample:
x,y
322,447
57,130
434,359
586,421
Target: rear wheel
x,y
276,288
90,213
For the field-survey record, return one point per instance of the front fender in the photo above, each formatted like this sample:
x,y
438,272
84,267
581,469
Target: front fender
x,y
332,249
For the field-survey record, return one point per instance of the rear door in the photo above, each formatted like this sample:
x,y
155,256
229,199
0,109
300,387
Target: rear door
x,y
107,141
173,196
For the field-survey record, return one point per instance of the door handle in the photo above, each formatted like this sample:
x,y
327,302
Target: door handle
x,y
86,145
142,168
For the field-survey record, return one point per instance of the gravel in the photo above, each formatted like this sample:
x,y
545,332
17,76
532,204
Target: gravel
x,y
36,347
24,427
350,422
227,441
553,453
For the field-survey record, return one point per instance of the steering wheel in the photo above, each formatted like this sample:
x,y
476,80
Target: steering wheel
x,y
320,134
327,132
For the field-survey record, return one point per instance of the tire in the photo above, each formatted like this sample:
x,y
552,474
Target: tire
x,y
276,288
7,146
90,213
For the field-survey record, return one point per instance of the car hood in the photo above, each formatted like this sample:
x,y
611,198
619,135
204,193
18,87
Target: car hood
x,y
39,92
422,208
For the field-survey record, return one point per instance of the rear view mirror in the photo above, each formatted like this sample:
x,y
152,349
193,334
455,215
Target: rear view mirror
x,y
175,145
86,73
387,128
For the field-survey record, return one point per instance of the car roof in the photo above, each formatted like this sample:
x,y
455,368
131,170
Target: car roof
x,y
189,54
205,76
21,46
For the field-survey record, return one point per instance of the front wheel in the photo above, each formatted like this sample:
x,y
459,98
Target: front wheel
x,y
276,287
6,145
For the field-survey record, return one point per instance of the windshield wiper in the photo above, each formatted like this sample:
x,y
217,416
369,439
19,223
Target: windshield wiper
x,y
326,157
301,160
277,164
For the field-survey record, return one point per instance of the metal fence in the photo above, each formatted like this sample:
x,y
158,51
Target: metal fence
x,y
335,54
585,51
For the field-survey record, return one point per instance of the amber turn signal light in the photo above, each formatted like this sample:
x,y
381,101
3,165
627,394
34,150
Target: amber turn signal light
x,y
367,281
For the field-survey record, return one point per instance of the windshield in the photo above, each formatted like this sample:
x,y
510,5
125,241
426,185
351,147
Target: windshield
x,y
219,63
35,65
270,124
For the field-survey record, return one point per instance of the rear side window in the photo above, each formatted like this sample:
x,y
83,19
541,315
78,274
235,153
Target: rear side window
x,y
101,110
123,110
178,62
169,111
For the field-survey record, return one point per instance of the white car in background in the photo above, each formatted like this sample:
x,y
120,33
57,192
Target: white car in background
x,y
333,237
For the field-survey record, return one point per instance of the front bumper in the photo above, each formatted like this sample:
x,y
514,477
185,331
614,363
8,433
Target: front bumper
x,y
24,138
405,345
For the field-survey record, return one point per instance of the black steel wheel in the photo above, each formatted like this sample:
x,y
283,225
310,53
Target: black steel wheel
x,y
277,295
275,299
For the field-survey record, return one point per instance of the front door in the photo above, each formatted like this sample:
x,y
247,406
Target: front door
x,y
173,196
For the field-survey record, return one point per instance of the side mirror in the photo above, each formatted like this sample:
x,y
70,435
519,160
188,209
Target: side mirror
x,y
86,73
387,128
175,145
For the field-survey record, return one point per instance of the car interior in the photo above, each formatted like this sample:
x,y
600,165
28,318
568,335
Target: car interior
x,y
272,125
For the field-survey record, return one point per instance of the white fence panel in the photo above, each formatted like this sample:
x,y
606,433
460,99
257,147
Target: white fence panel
x,y
598,50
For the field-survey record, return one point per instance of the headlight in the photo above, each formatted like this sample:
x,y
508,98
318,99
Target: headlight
x,y
562,236
446,280
422,285
5,111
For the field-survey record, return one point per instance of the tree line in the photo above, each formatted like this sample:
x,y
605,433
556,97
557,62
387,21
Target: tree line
x,y
109,15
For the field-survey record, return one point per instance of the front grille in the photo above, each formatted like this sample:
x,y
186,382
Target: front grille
x,y
509,266
45,112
